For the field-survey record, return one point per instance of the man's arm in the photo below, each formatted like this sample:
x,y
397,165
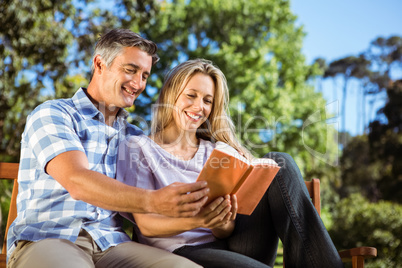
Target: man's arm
x,y
216,215
71,170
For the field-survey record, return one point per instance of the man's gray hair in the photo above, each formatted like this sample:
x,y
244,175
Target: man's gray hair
x,y
113,42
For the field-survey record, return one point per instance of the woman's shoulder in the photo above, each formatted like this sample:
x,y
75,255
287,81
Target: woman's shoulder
x,y
138,139
144,144
135,143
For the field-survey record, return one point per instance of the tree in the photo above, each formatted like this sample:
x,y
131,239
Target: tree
x,y
386,53
362,223
349,67
47,47
385,139
255,43
371,164
34,46
322,65
258,47
359,172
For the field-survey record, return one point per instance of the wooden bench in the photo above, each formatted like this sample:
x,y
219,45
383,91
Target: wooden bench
x,y
357,256
354,255
9,171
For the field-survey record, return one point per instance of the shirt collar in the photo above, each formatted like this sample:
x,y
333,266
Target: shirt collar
x,y
88,109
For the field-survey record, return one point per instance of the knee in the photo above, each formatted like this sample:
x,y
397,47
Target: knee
x,y
180,262
282,159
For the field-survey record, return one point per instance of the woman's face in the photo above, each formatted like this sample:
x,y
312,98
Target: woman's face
x,y
194,104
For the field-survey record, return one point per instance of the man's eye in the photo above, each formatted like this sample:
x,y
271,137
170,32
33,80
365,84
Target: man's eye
x,y
131,71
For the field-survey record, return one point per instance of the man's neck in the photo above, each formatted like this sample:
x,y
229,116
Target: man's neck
x,y
109,112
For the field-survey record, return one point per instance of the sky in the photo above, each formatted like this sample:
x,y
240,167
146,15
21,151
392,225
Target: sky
x,y
336,29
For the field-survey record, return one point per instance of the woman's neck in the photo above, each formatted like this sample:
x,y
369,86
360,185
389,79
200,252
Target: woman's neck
x,y
182,144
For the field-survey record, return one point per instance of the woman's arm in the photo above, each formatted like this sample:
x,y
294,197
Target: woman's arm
x,y
216,215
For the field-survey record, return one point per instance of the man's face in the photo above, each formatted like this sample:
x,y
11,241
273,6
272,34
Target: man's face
x,y
126,78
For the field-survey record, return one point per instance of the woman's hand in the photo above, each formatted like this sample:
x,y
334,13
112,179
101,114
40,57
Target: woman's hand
x,y
214,214
219,216
227,228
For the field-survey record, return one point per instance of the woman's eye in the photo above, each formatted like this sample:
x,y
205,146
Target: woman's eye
x,y
208,101
191,96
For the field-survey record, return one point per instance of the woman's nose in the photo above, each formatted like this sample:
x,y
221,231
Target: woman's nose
x,y
198,103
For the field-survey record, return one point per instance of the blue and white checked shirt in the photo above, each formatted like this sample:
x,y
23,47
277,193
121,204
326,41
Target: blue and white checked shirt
x,y
45,208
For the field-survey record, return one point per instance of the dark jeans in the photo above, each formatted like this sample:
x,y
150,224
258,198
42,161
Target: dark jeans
x,y
285,212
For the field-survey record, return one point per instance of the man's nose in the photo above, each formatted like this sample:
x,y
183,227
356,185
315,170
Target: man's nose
x,y
136,81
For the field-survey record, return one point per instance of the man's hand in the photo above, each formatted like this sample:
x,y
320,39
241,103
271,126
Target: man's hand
x,y
179,199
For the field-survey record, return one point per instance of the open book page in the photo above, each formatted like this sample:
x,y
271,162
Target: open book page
x,y
223,171
256,161
263,162
221,146
228,172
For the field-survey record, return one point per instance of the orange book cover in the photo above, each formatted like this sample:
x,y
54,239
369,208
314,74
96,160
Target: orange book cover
x,y
227,172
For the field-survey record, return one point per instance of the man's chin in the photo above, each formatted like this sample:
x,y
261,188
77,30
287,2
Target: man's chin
x,y
129,103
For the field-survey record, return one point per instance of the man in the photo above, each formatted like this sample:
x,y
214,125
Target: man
x,y
68,198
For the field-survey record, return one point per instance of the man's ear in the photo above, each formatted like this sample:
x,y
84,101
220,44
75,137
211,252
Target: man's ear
x,y
98,64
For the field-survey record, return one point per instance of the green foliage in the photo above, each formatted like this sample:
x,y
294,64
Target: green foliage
x,y
359,173
34,46
361,223
385,140
255,43
258,47
371,164
46,48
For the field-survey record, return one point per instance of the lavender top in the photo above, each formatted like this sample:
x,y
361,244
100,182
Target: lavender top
x,y
143,163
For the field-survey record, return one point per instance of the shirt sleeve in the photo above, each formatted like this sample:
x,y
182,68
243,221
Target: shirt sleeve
x,y
132,165
133,168
49,131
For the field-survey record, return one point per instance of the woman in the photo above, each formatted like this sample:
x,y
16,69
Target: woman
x,y
190,120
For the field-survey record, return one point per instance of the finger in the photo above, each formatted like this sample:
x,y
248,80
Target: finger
x,y
215,208
209,211
221,210
214,204
190,197
228,217
191,187
221,218
233,202
191,209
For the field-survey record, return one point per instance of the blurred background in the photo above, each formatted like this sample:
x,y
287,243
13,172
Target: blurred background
x,y
321,81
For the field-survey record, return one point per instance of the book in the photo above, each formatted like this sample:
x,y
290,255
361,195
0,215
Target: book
x,y
228,172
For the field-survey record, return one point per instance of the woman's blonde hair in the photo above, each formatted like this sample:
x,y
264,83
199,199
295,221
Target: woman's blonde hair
x,y
218,126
